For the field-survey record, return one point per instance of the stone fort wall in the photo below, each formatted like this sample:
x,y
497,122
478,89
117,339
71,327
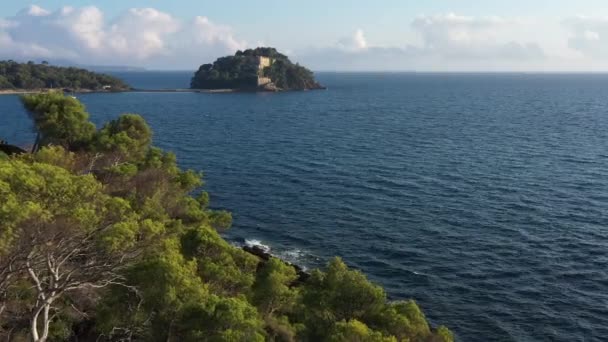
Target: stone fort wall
x,y
263,81
263,62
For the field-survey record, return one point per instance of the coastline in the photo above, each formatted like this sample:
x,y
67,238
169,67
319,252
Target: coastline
x,y
45,90
183,90
264,256
133,90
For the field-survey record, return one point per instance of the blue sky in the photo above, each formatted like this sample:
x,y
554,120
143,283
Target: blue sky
x,y
439,35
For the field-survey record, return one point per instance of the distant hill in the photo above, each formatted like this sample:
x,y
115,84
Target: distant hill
x,y
61,62
30,76
263,68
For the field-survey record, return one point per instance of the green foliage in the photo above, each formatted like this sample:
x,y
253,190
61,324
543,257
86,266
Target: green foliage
x,y
59,120
129,135
220,219
15,75
45,193
272,291
402,320
339,294
54,155
261,51
5,83
229,72
166,284
176,303
344,304
356,331
278,328
344,293
444,334
287,75
241,71
220,319
227,270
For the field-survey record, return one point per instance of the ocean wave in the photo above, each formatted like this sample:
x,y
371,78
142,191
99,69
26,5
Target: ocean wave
x,y
257,243
294,256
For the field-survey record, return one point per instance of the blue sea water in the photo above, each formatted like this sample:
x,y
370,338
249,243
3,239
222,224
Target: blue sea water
x,y
482,196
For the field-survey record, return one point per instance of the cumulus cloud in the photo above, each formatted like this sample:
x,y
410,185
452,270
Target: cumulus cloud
x,y
206,32
454,36
446,41
356,42
142,33
139,35
353,52
588,35
36,11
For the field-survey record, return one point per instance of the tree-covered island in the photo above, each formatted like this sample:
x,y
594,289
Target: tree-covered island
x,y
31,76
263,69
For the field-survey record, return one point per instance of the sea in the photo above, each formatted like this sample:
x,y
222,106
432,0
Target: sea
x,y
484,197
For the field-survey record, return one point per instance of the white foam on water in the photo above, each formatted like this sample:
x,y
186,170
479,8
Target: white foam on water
x,y
257,243
294,256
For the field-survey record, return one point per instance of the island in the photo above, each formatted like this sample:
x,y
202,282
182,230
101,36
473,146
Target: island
x,y
32,77
260,69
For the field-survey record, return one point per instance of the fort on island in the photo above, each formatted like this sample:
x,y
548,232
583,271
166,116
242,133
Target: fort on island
x,y
263,62
259,69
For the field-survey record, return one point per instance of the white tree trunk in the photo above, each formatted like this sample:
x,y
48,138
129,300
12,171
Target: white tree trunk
x,y
34,327
46,322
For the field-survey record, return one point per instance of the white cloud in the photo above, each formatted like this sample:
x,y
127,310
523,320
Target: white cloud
x,y
447,42
588,35
137,36
141,33
205,31
356,42
36,11
453,36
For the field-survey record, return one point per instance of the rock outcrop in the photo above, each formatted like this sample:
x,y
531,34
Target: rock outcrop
x,y
265,256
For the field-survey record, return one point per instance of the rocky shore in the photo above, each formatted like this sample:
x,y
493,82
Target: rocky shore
x,y
264,256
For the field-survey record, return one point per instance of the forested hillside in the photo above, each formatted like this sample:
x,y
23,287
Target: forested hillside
x,y
30,76
241,72
104,238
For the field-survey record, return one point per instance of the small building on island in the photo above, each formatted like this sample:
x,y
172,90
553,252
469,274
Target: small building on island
x,y
263,62
259,69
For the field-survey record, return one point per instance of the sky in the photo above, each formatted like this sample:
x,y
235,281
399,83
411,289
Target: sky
x,y
337,35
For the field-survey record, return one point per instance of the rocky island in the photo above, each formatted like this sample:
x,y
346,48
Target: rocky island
x,y
260,69
32,77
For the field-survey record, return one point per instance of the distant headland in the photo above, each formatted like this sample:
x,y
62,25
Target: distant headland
x,y
260,69
30,77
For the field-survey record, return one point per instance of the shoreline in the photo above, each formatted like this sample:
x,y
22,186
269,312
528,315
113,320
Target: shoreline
x,y
135,90
264,256
46,90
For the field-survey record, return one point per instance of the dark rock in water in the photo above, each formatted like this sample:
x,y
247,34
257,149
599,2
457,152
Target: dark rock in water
x,y
302,274
265,256
11,149
257,251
